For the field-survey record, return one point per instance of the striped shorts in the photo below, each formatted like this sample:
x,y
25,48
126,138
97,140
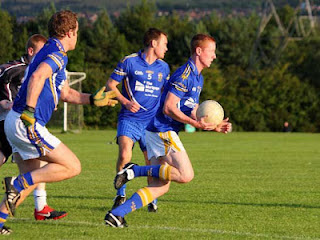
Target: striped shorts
x,y
162,143
30,143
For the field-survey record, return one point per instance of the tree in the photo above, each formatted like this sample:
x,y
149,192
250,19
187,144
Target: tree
x,y
135,21
6,44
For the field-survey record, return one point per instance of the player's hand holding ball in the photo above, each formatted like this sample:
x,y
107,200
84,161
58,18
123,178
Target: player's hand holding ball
x,y
210,116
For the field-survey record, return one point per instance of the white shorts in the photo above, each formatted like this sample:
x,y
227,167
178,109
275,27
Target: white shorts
x,y
32,143
162,143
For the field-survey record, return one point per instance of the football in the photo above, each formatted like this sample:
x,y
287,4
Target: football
x,y
212,109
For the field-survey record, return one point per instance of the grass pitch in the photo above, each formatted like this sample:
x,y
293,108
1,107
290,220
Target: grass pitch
x,y
246,186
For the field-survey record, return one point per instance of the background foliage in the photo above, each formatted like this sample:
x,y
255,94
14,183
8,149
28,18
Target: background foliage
x,y
258,98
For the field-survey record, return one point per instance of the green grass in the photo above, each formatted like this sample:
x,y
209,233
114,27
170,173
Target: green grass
x,y
246,186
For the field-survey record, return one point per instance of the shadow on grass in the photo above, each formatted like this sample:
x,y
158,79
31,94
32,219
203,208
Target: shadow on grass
x,y
287,205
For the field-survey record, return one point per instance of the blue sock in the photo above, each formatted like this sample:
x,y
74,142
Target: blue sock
x,y
122,191
139,199
3,218
23,181
155,201
130,205
152,170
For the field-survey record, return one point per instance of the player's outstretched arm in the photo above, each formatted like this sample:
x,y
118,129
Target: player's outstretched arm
x,y
102,98
99,98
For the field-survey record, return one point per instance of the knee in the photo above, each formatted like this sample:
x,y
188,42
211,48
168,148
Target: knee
x,y
74,169
77,169
185,178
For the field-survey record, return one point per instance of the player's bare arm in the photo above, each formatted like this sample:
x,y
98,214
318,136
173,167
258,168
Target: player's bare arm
x,y
36,83
130,105
194,111
72,96
170,108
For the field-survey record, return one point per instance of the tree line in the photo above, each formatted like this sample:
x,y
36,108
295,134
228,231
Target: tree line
x,y
256,96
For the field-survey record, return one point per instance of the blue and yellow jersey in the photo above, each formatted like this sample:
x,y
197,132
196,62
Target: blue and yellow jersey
x,y
141,82
54,55
186,83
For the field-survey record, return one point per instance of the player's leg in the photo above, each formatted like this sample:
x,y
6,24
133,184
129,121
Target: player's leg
x,y
62,164
174,164
125,154
128,132
42,210
152,207
115,217
5,148
4,212
4,209
160,144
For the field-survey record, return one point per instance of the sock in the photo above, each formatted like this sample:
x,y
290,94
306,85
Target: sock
x,y
122,191
165,172
157,171
3,218
138,200
155,201
23,181
40,199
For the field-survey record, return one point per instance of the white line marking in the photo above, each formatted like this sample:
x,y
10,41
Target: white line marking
x,y
204,230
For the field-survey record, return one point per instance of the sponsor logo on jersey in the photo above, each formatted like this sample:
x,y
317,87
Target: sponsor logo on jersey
x,y
138,73
139,87
190,103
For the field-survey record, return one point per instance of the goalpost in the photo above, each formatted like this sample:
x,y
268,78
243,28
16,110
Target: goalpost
x,y
75,79
70,116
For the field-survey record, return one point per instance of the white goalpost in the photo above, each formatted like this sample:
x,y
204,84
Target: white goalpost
x,y
74,78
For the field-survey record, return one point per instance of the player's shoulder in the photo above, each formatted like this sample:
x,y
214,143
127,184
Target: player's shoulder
x,y
184,72
129,57
163,63
59,57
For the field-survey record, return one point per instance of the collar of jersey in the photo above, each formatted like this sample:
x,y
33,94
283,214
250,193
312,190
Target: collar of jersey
x,y
59,45
193,66
143,58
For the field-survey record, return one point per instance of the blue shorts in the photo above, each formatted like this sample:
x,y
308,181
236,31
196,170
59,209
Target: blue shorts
x,y
133,130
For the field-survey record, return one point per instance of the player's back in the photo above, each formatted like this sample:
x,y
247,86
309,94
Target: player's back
x,y
53,54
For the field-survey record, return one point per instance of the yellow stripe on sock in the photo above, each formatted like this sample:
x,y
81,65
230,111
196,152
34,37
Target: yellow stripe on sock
x,y
165,172
162,172
168,172
145,195
25,183
2,220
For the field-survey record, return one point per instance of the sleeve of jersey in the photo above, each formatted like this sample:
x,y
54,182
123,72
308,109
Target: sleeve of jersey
x,y
120,72
179,86
57,60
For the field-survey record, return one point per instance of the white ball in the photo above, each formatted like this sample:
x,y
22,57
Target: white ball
x,y
212,109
